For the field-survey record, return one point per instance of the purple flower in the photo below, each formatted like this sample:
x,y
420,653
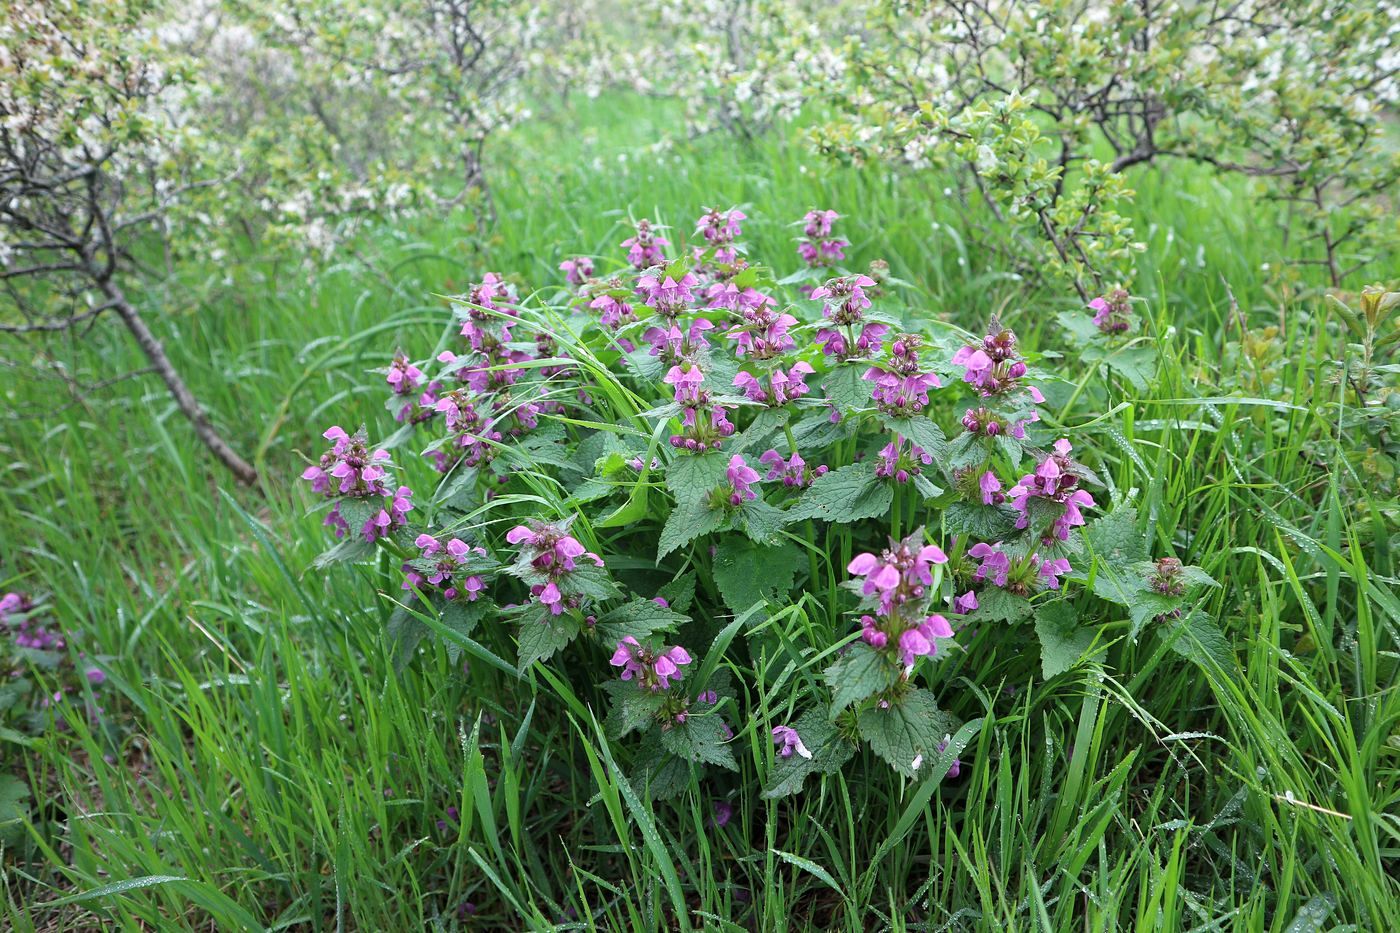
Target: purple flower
x,y
995,564
845,301
644,247
965,603
403,377
818,223
900,573
653,669
763,333
991,367
1054,479
991,489
724,812
1112,312
667,295
899,464
687,379
793,472
577,270
788,742
349,468
741,478
720,227
1166,577
919,641
900,388
614,312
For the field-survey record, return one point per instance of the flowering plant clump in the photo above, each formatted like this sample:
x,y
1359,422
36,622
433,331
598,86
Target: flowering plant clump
x,y
644,466
42,671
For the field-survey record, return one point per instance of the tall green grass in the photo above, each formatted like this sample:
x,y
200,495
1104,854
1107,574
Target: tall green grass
x,y
263,765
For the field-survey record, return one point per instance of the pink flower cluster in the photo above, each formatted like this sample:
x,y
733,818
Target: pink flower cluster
x,y
818,247
1054,479
900,388
644,248
1112,312
448,561
349,470
552,554
794,471
652,668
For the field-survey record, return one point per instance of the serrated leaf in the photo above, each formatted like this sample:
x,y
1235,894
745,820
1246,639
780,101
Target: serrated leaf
x,y
922,431
908,731
747,573
590,580
663,774
861,672
632,708
1063,641
541,637
847,390
761,521
680,592
764,424
846,495
1136,364
700,739
688,521
982,522
406,632
352,548
691,477
1197,638
639,619
1115,536
462,616
997,605
829,753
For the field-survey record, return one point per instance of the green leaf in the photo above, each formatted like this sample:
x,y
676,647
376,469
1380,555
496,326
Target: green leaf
x,y
1063,641
353,548
909,731
541,637
588,579
861,672
845,495
982,522
997,605
462,617
14,809
632,708
1136,364
680,592
406,632
829,753
748,573
1197,638
638,618
922,431
1116,538
700,739
691,477
689,520
664,775
764,424
847,390
762,522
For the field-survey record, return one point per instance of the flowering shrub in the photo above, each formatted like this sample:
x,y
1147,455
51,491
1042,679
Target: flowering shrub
x,y
40,671
661,452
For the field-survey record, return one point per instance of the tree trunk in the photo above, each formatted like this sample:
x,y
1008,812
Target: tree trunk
x,y
181,392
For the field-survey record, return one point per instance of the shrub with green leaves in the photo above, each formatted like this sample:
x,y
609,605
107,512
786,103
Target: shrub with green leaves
x,y
635,485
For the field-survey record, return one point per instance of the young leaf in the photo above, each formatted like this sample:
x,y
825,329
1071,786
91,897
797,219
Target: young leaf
x,y
689,520
747,573
908,732
829,752
1062,640
845,495
638,618
700,739
541,636
632,708
859,673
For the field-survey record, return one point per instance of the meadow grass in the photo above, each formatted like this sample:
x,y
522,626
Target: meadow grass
x,y
261,763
